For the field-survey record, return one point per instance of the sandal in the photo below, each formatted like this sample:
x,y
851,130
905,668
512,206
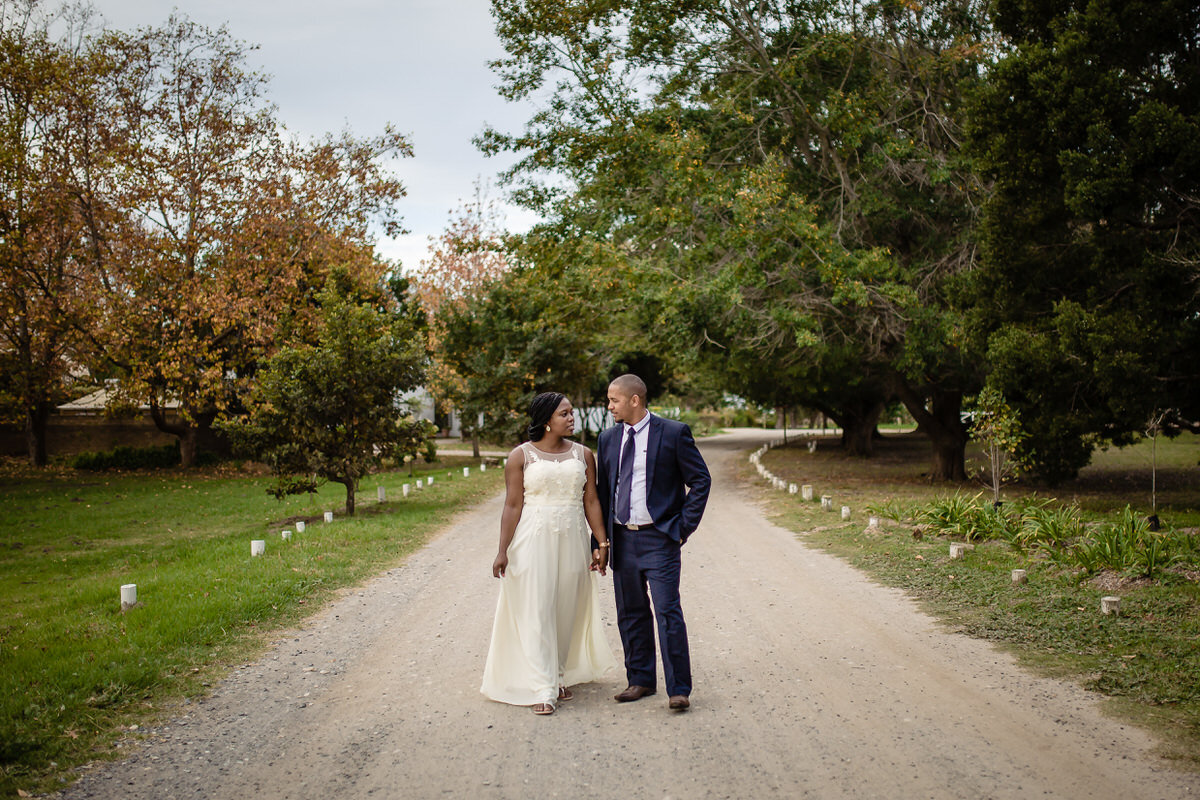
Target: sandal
x,y
543,709
565,694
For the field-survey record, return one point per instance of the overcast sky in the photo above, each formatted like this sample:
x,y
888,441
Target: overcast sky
x,y
419,64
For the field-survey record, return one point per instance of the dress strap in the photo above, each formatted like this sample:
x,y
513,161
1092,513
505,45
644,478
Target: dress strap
x,y
577,451
531,454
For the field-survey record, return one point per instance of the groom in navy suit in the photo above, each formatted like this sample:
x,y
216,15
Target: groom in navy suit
x,y
653,484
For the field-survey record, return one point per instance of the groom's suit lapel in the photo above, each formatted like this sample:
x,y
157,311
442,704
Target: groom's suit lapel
x,y
609,462
612,456
652,444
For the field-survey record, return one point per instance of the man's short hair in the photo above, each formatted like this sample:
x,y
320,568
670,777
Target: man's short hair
x,y
631,385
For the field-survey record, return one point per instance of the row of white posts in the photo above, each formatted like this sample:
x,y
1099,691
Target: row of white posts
x,y
805,490
258,547
958,550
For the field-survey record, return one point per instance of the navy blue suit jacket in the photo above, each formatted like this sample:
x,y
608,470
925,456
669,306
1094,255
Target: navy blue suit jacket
x,y
677,478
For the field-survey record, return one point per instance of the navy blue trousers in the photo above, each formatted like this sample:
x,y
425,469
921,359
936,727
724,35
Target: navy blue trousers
x,y
650,559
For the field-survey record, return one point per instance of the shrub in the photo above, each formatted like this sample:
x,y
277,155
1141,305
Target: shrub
x,y
955,515
701,424
1104,548
125,457
895,509
1048,528
1128,545
740,417
993,522
1125,544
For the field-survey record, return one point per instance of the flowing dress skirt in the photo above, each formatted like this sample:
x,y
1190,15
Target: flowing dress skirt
x,y
547,632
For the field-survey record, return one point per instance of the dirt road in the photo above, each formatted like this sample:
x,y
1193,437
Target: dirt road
x,y
810,682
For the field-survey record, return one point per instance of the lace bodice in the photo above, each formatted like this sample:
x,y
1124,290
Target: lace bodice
x,y
554,479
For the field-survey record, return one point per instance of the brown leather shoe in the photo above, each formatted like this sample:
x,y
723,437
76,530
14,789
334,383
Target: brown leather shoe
x,y
632,693
679,702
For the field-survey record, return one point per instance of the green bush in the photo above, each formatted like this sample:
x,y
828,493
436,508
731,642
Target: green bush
x,y
740,417
1125,544
955,515
891,508
1128,545
700,423
125,457
1049,528
991,521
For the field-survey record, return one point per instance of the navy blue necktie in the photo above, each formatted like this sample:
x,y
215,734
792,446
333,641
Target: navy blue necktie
x,y
625,478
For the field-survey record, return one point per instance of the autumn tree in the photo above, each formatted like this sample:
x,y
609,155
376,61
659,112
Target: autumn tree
x,y
539,327
467,256
44,83
332,410
224,228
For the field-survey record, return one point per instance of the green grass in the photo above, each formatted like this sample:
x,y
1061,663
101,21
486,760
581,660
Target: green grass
x,y
76,671
1147,660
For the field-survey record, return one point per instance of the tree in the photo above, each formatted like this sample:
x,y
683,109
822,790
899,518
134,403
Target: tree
x,y
997,428
42,83
1155,425
331,411
795,166
467,257
223,231
551,322
511,342
1085,299
468,254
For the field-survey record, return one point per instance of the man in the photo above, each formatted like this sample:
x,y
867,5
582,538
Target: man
x,y
653,484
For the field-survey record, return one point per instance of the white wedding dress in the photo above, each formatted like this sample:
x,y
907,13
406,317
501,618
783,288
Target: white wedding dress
x,y
547,631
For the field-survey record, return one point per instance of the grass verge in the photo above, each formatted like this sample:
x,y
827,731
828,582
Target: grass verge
x,y
1146,660
76,672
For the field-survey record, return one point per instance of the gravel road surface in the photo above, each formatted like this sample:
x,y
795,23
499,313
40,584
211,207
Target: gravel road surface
x,y
810,681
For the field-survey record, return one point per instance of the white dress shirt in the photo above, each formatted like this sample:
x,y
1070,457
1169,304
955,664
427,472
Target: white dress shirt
x,y
638,514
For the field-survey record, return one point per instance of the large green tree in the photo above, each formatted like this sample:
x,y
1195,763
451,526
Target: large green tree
x,y
784,178
1087,299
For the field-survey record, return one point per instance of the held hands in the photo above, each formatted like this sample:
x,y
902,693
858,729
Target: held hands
x,y
500,565
600,560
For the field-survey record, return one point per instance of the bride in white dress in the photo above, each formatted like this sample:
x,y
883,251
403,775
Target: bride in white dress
x,y
547,635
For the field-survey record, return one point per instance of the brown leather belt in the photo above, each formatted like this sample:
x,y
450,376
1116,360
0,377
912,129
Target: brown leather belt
x,y
632,527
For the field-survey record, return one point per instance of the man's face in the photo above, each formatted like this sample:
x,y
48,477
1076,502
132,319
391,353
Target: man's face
x,y
621,406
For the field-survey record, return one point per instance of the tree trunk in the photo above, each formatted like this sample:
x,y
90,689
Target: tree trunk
x,y
858,421
36,416
349,484
949,459
188,432
188,447
942,423
475,444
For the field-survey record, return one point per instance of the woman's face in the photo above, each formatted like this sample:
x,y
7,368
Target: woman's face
x,y
563,422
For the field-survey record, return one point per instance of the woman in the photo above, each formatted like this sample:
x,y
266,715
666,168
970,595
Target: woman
x,y
547,634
